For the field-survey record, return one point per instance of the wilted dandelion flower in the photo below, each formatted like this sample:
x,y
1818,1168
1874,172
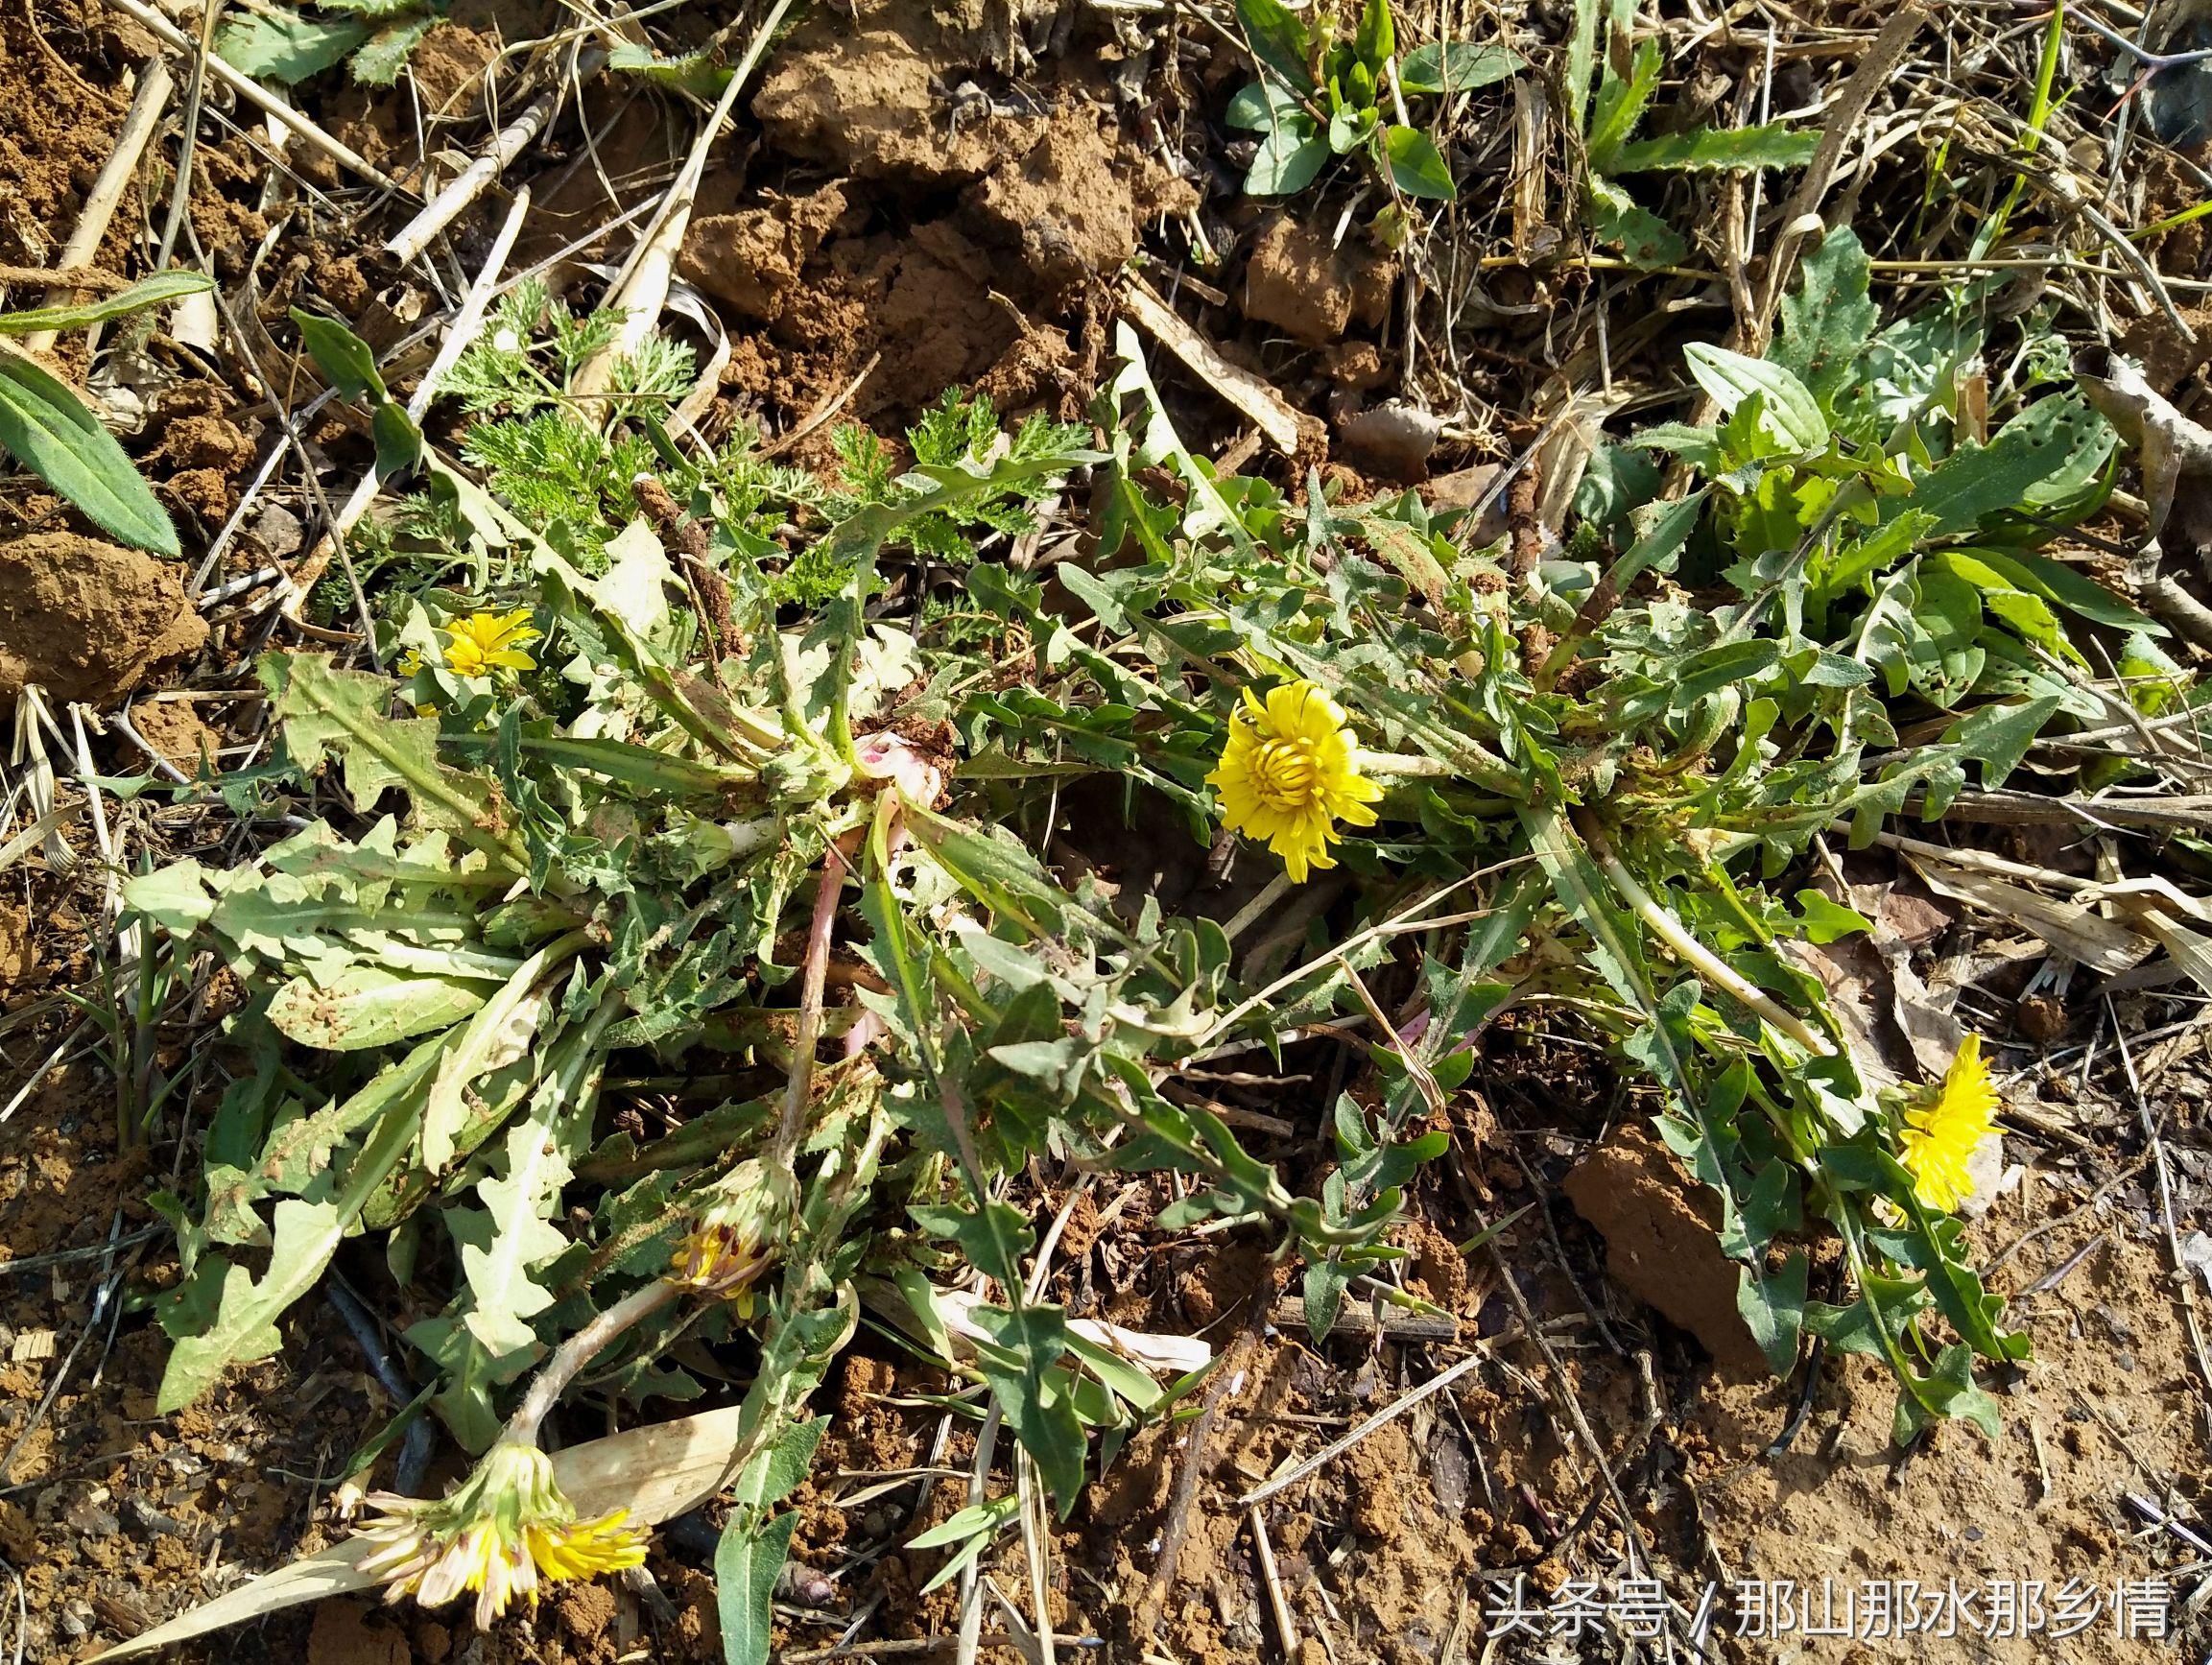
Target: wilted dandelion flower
x,y
737,1234
482,642
1290,772
1941,1134
503,1532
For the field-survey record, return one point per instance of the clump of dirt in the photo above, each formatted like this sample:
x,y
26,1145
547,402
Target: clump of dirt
x,y
986,295
18,950
1065,208
204,454
1660,1245
876,277
448,65
751,260
60,127
87,620
350,1634
1310,288
884,100
174,731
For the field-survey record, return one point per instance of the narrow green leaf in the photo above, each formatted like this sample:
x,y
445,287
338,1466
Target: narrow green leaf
x,y
398,440
1377,40
158,290
746,1563
1582,59
2061,585
1730,378
47,428
1717,150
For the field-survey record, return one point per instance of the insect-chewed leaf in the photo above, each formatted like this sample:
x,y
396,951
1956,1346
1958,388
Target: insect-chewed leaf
x,y
1828,319
1450,66
367,1006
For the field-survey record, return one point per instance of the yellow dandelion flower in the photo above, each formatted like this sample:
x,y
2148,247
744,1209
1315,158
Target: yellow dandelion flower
x,y
501,1533
1941,1134
1290,772
482,642
738,1230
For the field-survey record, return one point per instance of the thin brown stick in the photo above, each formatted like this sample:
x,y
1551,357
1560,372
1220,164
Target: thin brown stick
x,y
813,977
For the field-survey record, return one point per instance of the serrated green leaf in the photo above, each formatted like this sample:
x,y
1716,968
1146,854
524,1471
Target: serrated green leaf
x,y
695,72
47,428
308,1231
519,1197
751,1552
327,712
1828,319
286,47
1620,106
994,1237
1025,1344
776,1472
379,63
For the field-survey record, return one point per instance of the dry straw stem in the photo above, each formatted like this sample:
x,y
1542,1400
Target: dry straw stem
x,y
148,105
1802,216
1247,392
512,140
1336,1448
641,290
251,91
